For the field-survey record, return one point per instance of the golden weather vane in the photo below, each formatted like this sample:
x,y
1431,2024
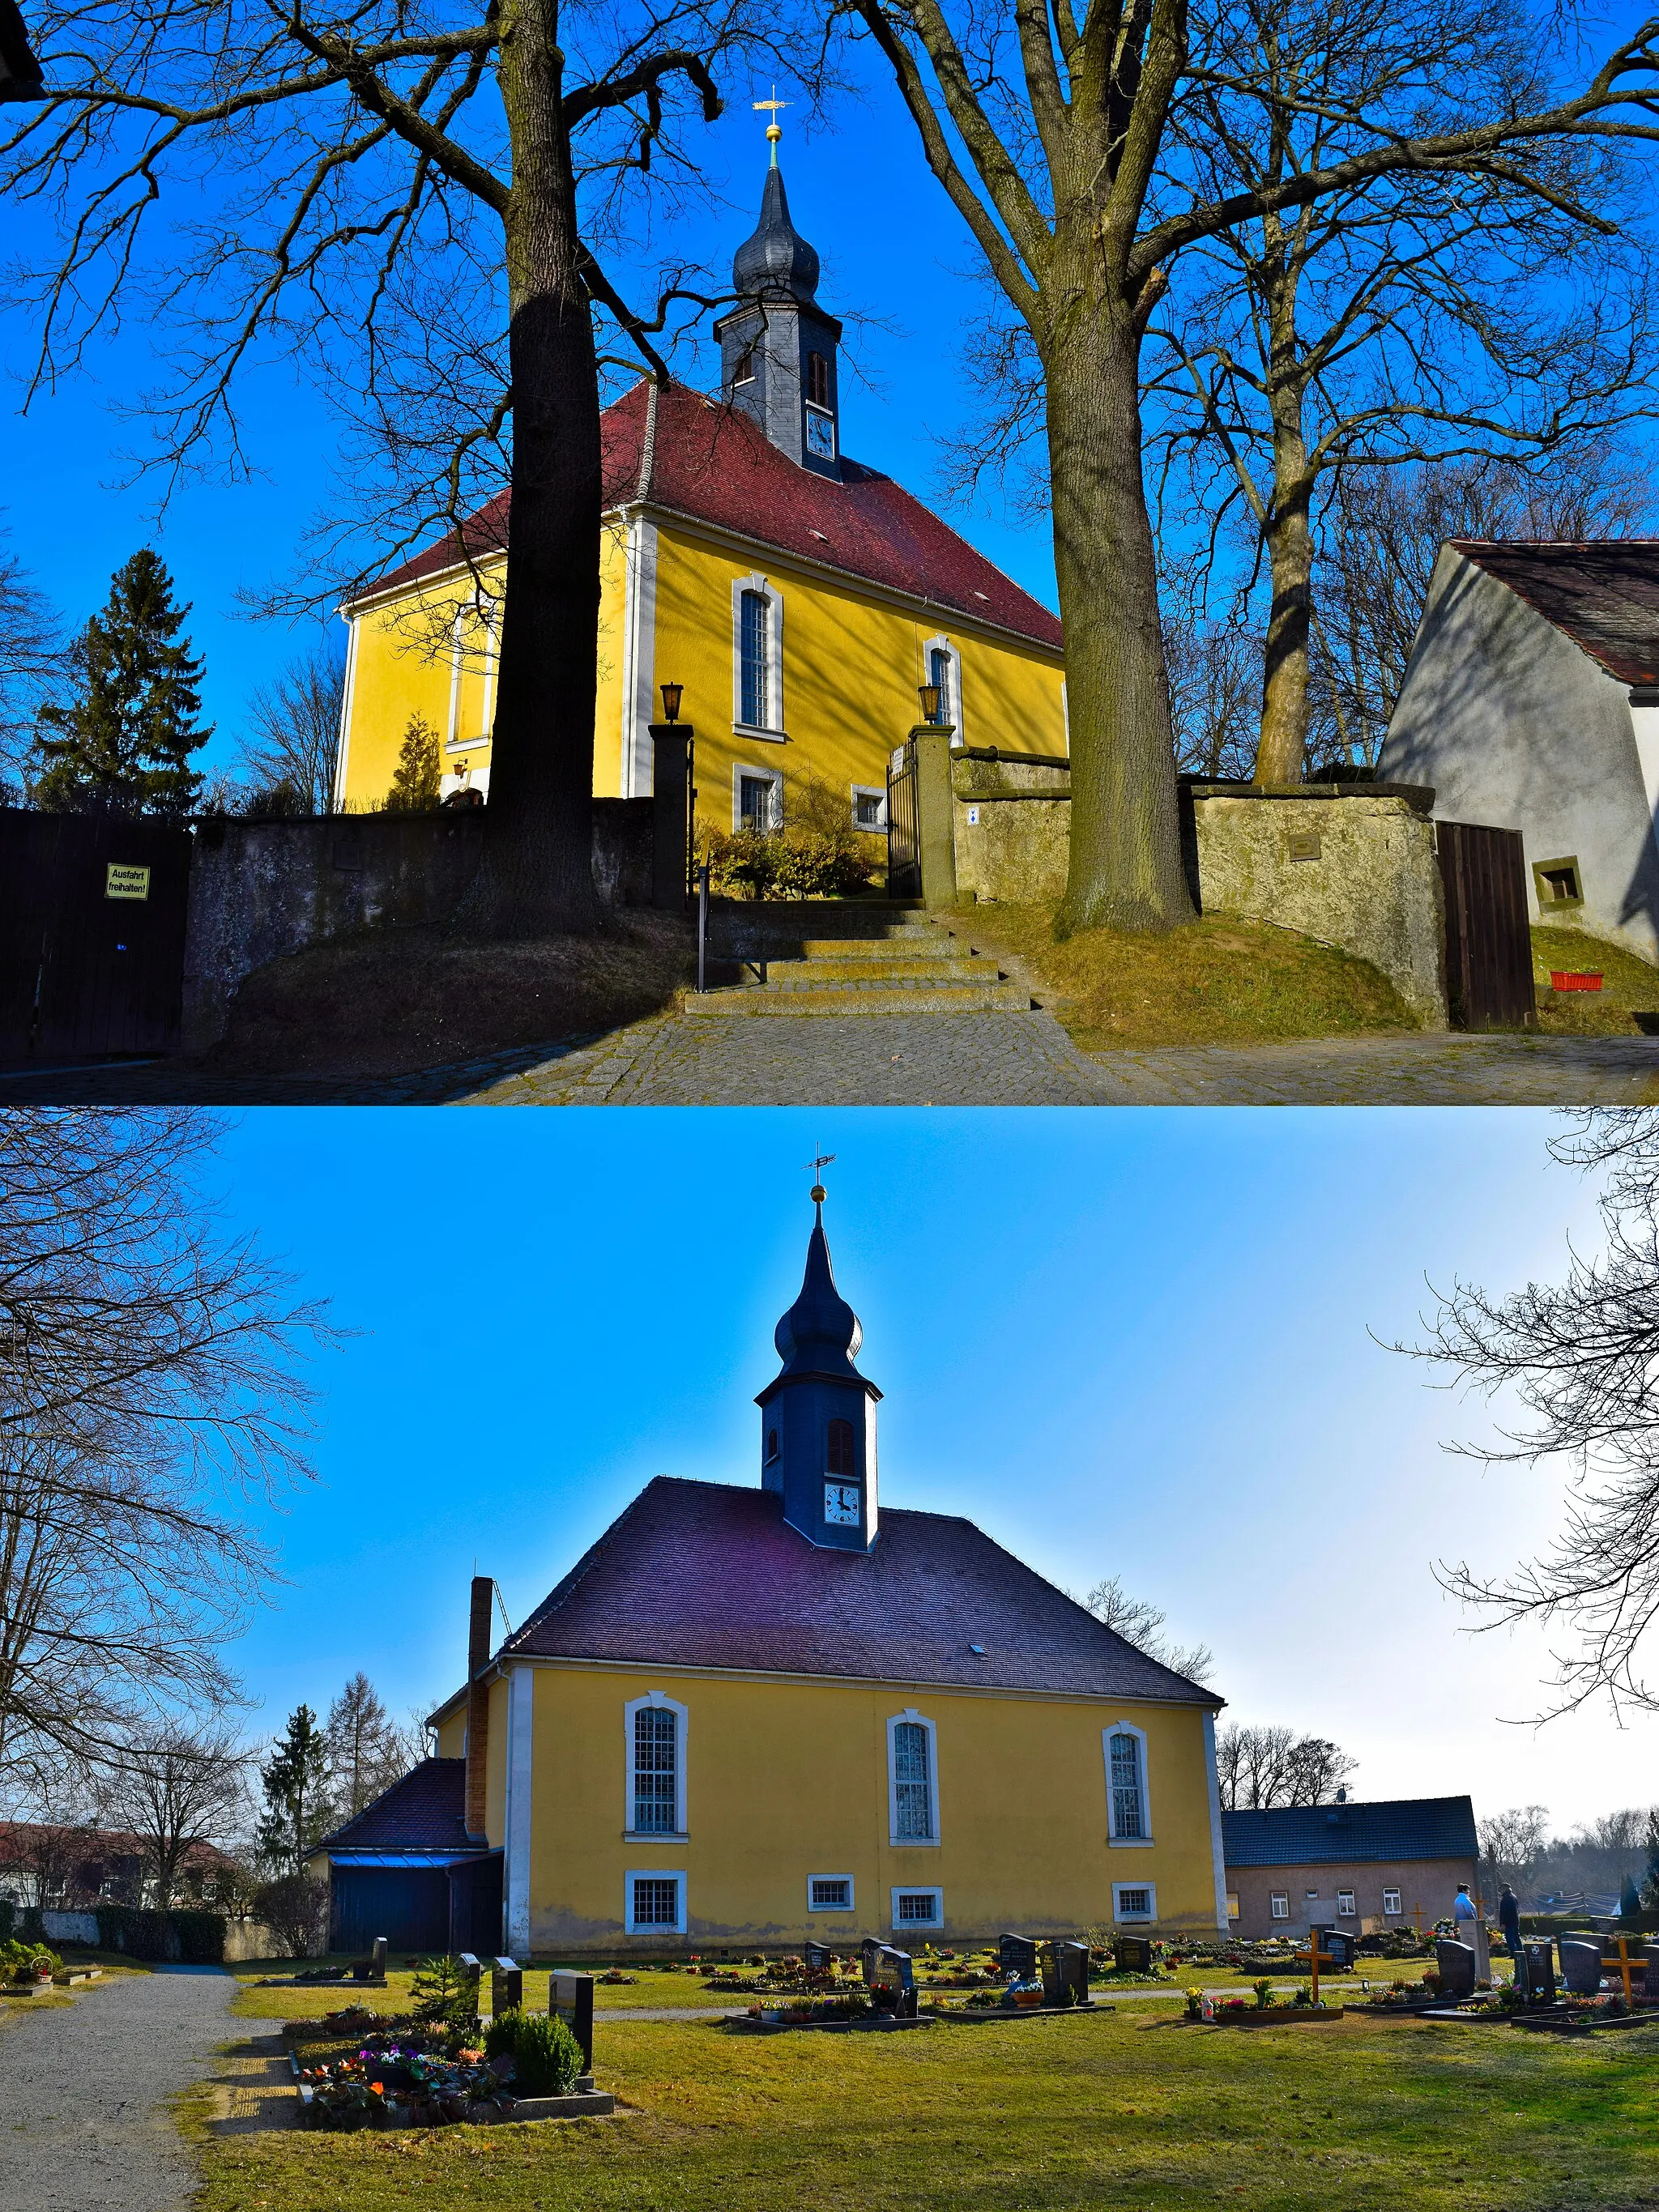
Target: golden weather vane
x,y
773,129
824,1160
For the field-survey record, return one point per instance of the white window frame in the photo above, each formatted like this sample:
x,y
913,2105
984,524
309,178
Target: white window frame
x,y
1232,1905
1134,1919
915,1889
659,1699
952,700
1276,1900
912,1843
771,729
772,776
813,1905
1394,1907
878,792
676,1875
456,664
1347,1908
1127,1842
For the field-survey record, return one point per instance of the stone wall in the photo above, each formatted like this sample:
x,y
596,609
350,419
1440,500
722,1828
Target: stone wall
x,y
1011,820
260,889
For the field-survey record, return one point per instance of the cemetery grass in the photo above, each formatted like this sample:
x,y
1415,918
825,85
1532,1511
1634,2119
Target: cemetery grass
x,y
1035,2117
1221,981
1628,1001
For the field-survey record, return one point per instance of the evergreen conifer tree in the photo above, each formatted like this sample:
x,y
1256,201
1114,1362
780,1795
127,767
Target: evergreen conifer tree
x,y
295,1777
123,746
419,781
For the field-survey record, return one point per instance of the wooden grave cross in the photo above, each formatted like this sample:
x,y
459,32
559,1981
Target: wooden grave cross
x,y
1316,1959
1623,1963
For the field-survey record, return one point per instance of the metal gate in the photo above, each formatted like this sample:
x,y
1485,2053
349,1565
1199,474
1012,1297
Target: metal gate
x,y
92,911
1488,935
904,824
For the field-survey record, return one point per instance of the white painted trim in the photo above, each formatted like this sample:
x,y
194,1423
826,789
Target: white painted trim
x,y
492,665
915,1889
520,1736
871,791
772,723
1217,1848
941,643
347,700
1127,1842
639,655
852,1893
457,663
676,1875
657,1697
913,1843
772,776
1134,1919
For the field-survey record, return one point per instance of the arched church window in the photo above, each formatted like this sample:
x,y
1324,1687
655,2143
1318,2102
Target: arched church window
x,y
771,1443
912,1782
840,1459
1129,1788
818,380
656,1770
938,673
755,644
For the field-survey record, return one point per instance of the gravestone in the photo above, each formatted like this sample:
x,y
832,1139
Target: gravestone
x,y
1134,1954
890,1979
1338,1947
1580,1964
1017,1955
819,1959
570,1998
1065,1972
1454,1964
506,1987
471,1973
1535,1971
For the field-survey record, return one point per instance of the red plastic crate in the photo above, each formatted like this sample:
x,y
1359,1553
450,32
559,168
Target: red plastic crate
x,y
1568,979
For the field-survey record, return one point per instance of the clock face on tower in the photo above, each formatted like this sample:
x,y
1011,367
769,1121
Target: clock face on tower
x,y
841,1504
820,434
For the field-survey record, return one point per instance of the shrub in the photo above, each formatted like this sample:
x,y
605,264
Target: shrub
x,y
446,1996
296,1910
25,1962
201,1937
547,2059
817,854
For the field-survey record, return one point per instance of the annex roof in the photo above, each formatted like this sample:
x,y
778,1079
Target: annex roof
x,y
425,1811
1603,594
1319,1835
704,1574
711,464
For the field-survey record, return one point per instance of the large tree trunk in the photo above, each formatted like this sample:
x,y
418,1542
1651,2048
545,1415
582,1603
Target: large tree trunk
x,y
1282,749
536,875
1125,870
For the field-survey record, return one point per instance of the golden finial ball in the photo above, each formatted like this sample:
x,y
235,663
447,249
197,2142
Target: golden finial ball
x,y
774,131
819,1193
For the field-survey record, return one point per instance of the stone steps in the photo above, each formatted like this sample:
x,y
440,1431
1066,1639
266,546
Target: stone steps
x,y
912,967
917,998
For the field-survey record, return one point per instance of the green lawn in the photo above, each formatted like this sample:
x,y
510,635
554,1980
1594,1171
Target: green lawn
x,y
1129,2110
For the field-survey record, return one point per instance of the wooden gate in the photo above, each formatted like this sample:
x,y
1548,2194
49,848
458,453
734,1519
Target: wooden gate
x,y
92,911
903,825
1488,935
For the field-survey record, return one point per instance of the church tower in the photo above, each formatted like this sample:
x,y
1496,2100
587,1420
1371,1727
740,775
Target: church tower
x,y
818,1415
777,346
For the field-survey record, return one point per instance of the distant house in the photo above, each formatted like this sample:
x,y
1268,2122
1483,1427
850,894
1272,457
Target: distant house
x,y
1396,1863
66,1868
1531,701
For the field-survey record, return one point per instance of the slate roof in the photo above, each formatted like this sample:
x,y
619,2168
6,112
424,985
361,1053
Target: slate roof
x,y
426,1811
704,1574
1317,1835
1603,595
712,463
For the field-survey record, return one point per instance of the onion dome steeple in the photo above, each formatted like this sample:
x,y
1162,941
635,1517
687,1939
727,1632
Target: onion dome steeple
x,y
776,259
818,1413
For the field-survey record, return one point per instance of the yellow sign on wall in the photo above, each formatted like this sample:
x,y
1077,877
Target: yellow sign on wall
x,y
125,882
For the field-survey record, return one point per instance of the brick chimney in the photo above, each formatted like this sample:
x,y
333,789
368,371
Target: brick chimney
x,y
477,1703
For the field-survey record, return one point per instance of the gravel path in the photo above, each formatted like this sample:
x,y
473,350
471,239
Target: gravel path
x,y
83,2088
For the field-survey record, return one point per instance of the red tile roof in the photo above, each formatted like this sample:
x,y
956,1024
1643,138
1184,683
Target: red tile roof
x,y
703,1574
713,465
426,1811
1604,595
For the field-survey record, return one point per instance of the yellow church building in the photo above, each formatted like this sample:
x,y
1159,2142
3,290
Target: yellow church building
x,y
798,597
754,1714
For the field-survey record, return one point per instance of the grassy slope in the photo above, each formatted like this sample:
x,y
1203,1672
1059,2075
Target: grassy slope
x,y
1220,982
1118,2112
1629,987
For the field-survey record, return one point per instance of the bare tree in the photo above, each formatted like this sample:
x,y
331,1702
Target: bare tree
x,y
1264,1765
1215,688
1070,190
148,1384
174,1791
1139,1622
294,743
1580,1358
31,653
1511,1844
356,161
366,1750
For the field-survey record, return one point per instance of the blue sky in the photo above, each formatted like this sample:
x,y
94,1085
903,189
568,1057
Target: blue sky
x,y
1122,1343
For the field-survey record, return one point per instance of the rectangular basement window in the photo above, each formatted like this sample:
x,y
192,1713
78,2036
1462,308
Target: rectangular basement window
x,y
1557,883
918,1908
1133,1901
829,1893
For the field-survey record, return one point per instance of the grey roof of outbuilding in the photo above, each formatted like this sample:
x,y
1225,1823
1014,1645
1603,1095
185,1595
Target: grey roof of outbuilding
x,y
1316,1835
1602,593
704,1574
426,1811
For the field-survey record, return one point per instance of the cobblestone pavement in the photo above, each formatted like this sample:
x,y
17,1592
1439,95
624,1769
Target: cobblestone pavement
x,y
83,2088
988,1059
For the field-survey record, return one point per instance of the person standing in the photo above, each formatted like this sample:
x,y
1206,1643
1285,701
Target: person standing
x,y
1471,1929
1508,1919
